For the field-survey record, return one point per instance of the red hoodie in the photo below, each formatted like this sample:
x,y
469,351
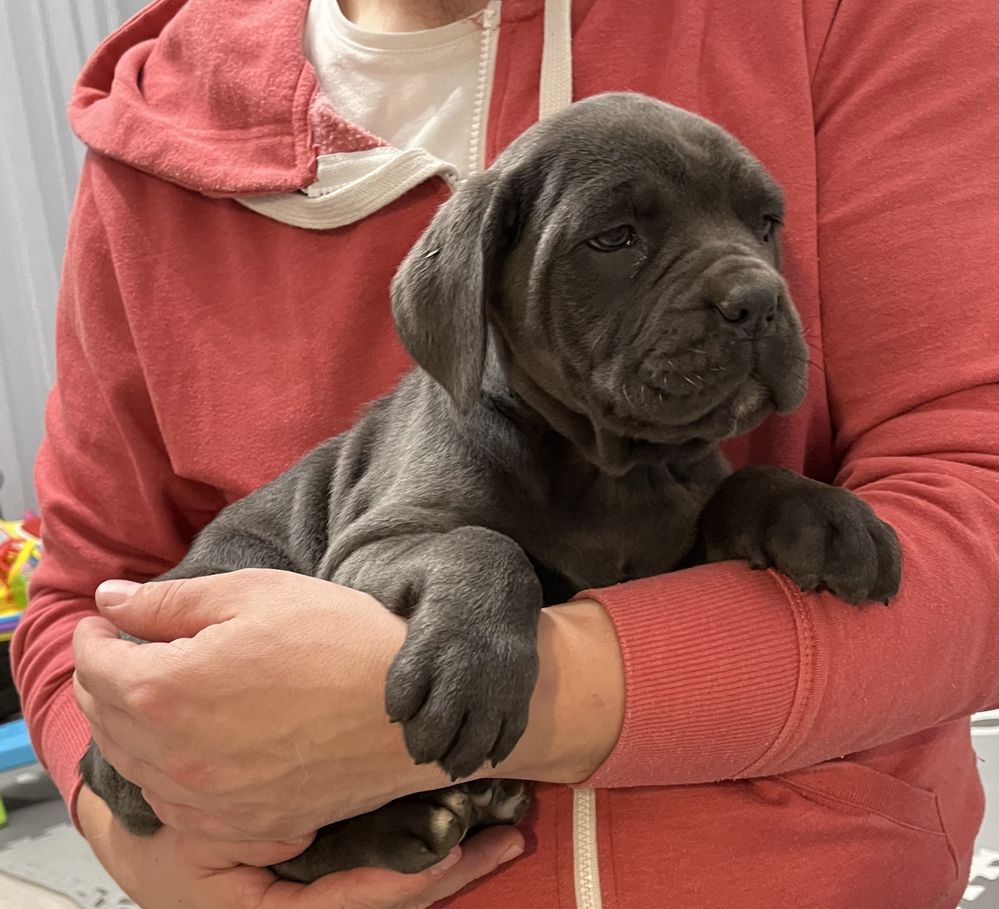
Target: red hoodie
x,y
779,749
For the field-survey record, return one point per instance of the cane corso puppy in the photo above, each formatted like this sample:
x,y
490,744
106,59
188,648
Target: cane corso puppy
x,y
590,317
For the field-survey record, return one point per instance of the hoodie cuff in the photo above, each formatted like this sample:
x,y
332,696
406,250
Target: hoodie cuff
x,y
713,659
64,739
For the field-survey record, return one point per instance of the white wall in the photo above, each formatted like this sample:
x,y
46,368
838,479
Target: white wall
x,y
43,45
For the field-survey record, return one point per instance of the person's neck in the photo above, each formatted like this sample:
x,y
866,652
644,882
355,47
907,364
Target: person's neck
x,y
407,15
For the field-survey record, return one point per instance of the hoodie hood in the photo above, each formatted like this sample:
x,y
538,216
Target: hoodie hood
x,y
217,96
255,125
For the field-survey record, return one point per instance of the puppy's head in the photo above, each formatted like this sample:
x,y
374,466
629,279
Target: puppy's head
x,y
623,257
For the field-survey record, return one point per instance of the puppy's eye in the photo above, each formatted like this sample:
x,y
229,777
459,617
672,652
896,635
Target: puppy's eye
x,y
616,238
768,231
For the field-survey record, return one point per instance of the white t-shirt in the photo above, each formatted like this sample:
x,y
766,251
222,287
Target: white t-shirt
x,y
424,93
425,89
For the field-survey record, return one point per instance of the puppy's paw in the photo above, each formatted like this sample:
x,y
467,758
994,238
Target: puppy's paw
x,y
462,696
820,536
497,801
406,835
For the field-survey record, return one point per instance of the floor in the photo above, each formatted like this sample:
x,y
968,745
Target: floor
x,y
983,888
45,864
17,893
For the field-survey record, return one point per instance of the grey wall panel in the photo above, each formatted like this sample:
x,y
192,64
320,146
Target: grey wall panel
x,y
43,45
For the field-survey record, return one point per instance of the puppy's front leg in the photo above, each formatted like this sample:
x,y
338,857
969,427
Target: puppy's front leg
x,y
818,535
461,685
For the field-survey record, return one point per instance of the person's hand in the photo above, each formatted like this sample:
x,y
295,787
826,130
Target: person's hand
x,y
262,715
266,720
173,870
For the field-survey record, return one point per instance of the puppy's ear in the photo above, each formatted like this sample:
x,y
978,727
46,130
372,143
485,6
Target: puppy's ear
x,y
442,288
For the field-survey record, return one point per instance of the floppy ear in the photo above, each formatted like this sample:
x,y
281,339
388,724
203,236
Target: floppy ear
x,y
441,291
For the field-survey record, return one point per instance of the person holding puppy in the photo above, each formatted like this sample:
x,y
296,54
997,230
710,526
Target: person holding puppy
x,y
707,737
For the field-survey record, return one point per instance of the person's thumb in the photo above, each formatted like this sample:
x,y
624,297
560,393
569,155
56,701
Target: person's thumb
x,y
163,610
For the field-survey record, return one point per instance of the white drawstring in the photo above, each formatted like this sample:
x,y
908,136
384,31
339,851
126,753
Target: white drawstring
x,y
556,58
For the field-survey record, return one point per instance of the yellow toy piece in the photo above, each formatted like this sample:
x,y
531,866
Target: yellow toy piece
x,y
19,555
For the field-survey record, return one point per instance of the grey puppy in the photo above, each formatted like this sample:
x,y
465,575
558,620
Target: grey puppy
x,y
590,316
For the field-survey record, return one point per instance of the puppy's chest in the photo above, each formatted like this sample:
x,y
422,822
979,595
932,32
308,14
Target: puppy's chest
x,y
609,533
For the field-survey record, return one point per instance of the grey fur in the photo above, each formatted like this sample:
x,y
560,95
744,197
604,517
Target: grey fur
x,y
560,432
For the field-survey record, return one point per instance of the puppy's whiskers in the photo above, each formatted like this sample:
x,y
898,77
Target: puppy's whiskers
x,y
807,335
810,362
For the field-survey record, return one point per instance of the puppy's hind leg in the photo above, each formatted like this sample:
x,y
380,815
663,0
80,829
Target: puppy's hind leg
x,y
408,835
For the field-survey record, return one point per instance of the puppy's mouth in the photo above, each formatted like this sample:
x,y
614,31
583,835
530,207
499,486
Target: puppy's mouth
x,y
712,417
750,400
712,402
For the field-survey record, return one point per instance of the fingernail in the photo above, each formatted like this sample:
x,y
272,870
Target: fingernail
x,y
114,593
511,854
449,861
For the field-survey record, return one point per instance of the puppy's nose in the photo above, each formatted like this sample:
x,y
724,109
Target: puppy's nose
x,y
749,309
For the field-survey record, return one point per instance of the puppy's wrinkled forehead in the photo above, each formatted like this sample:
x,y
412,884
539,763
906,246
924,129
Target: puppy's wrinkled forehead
x,y
631,143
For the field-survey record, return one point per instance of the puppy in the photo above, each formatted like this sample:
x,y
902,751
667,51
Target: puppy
x,y
590,316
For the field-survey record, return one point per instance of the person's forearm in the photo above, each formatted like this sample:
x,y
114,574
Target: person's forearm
x,y
576,711
578,704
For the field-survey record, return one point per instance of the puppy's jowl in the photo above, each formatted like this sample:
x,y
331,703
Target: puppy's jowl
x,y
591,316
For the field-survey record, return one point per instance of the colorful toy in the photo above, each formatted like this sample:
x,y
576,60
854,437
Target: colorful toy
x,y
20,550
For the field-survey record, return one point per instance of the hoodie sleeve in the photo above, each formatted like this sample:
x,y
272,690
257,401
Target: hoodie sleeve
x,y
732,673
111,506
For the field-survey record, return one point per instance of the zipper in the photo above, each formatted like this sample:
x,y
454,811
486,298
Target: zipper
x,y
585,857
489,20
555,94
